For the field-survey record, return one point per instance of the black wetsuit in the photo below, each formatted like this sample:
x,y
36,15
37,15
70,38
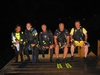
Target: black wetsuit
x,y
61,36
31,37
46,39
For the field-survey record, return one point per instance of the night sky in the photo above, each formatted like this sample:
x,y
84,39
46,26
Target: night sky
x,y
50,12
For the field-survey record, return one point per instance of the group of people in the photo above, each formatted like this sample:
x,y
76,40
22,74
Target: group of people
x,y
60,40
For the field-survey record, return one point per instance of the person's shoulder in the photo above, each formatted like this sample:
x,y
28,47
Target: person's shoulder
x,y
33,29
57,30
73,28
82,27
66,29
41,33
49,31
25,30
13,33
21,32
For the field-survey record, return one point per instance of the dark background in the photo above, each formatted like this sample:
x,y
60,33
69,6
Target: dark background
x,y
50,12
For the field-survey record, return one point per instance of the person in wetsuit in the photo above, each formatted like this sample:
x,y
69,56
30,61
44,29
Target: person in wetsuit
x,y
31,40
46,40
61,41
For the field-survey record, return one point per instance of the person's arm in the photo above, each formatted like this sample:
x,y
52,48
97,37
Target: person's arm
x,y
34,41
22,37
55,38
86,37
67,40
67,37
35,37
51,37
71,34
40,39
85,33
13,38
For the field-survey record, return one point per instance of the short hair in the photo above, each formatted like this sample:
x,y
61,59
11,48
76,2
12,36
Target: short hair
x,y
77,21
29,23
43,25
61,23
17,26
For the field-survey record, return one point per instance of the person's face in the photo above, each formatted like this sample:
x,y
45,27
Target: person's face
x,y
44,27
77,24
61,27
18,29
28,26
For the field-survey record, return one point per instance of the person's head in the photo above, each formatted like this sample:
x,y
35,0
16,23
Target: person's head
x,y
28,26
44,27
77,24
61,26
18,28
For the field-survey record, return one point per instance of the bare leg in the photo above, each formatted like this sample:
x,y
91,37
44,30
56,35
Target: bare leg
x,y
65,51
57,51
72,50
85,50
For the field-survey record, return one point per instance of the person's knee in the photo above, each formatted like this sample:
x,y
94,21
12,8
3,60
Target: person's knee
x,y
72,46
51,46
25,48
66,48
86,46
57,48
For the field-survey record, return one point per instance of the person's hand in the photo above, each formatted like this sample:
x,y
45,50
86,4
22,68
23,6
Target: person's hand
x,y
24,43
67,44
72,40
51,46
16,42
32,45
85,41
43,47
